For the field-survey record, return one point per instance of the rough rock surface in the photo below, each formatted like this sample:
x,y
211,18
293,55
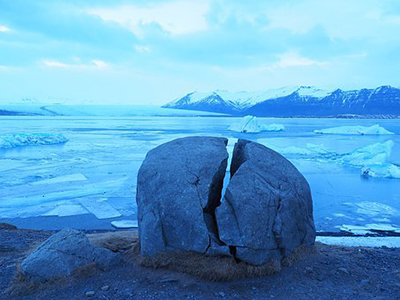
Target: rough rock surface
x,y
61,254
266,212
267,209
179,186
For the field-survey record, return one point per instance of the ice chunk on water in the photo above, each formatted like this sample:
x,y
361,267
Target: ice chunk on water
x,y
360,241
372,130
374,154
383,171
369,228
249,124
310,150
67,210
101,209
374,209
125,224
9,141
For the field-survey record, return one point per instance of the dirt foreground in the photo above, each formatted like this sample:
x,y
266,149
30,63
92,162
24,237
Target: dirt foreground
x,y
327,272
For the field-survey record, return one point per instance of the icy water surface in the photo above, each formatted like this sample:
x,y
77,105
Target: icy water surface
x,y
93,175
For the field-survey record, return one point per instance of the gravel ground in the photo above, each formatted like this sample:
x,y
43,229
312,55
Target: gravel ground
x,y
330,272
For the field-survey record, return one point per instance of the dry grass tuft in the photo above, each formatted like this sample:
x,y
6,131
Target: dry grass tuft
x,y
210,268
116,241
297,254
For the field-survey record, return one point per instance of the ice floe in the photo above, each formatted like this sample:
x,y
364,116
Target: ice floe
x,y
62,179
374,209
9,141
66,210
373,160
250,124
125,224
360,241
383,171
101,209
369,228
362,130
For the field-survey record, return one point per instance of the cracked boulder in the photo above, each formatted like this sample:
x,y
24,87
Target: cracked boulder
x,y
267,211
61,254
179,186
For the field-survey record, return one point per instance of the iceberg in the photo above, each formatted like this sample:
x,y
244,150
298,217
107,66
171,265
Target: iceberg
x,y
374,154
10,141
382,171
373,160
362,130
249,124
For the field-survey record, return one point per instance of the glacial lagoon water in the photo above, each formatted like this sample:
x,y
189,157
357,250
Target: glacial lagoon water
x,y
91,180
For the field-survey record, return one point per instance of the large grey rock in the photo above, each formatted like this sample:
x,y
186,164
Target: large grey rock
x,y
266,212
267,209
61,254
179,185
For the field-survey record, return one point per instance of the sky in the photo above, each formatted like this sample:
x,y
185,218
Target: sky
x,y
153,51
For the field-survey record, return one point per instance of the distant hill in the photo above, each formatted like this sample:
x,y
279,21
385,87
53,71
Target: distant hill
x,y
295,101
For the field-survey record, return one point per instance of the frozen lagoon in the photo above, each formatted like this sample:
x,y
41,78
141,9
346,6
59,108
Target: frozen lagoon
x,y
91,180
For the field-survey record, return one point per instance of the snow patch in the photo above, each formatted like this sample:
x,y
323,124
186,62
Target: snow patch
x,y
362,130
10,141
250,124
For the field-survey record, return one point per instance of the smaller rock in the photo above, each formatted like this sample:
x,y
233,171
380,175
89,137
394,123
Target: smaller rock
x,y
90,293
343,270
309,269
221,294
61,254
105,288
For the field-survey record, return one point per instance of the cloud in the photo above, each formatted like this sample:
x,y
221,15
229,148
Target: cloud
x,y
94,64
142,49
341,19
175,17
293,59
4,28
6,68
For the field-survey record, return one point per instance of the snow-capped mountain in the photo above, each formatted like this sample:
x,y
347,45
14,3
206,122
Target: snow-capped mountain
x,y
295,101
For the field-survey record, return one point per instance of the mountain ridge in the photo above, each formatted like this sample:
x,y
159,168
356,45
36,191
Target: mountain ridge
x,y
295,101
